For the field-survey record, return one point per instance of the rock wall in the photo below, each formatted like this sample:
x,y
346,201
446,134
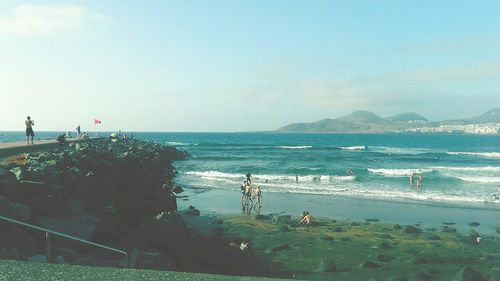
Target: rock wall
x,y
115,193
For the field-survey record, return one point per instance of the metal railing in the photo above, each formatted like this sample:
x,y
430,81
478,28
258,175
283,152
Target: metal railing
x,y
49,232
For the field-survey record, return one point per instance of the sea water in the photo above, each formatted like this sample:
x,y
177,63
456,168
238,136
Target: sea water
x,y
456,169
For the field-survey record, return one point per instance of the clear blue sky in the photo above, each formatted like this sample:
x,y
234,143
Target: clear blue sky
x,y
243,65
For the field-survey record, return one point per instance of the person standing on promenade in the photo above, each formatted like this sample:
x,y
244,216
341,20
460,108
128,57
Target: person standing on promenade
x,y
29,129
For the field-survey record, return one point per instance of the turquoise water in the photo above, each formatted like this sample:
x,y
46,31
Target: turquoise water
x,y
459,169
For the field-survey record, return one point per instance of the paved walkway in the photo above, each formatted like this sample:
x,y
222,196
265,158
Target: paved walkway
x,y
17,270
5,145
8,149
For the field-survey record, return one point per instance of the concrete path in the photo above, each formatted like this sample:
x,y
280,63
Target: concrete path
x,y
17,270
8,149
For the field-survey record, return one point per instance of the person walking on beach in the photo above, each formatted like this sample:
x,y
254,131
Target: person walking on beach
x,y
29,129
258,196
248,194
249,178
243,191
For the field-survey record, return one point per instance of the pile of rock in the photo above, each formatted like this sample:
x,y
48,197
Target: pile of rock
x,y
116,193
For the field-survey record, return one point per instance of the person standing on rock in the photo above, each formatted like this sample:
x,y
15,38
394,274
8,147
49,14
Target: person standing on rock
x,y
29,129
78,133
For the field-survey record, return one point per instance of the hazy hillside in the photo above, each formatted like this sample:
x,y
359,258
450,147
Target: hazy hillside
x,y
369,122
406,117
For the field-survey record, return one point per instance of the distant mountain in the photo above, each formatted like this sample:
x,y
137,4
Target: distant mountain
x,y
358,121
491,116
406,117
369,122
362,117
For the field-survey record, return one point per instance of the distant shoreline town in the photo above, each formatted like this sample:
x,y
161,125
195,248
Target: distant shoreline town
x,y
368,122
478,129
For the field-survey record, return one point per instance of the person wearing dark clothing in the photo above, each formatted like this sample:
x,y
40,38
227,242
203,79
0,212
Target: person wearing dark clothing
x,y
29,129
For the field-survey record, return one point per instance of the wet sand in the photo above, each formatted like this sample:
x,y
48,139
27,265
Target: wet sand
x,y
428,214
354,250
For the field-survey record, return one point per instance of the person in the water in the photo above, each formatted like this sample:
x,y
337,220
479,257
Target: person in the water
x,y
258,196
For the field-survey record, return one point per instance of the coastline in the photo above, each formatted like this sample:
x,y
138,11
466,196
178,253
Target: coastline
x,y
218,201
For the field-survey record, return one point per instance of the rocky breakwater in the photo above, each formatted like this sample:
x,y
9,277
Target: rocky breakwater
x,y
115,193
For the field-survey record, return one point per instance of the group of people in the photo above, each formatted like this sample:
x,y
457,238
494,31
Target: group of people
x,y
30,134
248,194
416,180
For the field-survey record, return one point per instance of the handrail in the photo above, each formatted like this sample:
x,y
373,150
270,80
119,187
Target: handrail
x,y
48,232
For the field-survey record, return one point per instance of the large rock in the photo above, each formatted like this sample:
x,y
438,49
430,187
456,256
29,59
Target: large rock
x,y
32,189
21,240
81,226
469,274
8,183
51,206
169,233
326,266
14,210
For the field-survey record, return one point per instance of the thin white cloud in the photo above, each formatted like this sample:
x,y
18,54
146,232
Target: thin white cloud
x,y
32,20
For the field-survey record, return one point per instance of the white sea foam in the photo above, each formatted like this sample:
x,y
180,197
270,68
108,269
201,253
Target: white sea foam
x,y
355,189
479,179
216,175
480,154
175,143
472,169
398,172
360,147
296,147
402,150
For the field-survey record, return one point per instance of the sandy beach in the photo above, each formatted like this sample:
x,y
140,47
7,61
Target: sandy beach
x,y
427,214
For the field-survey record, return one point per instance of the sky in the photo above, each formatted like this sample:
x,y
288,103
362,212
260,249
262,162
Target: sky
x,y
238,65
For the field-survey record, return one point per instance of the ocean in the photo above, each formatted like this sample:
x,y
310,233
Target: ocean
x,y
456,169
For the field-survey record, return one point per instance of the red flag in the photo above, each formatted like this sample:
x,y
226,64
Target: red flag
x,y
97,121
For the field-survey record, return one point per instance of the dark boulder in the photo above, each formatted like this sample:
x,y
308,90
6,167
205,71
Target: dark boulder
x,y
370,264
412,230
326,266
